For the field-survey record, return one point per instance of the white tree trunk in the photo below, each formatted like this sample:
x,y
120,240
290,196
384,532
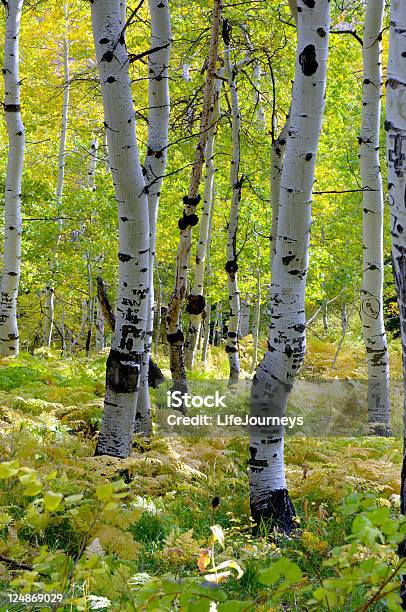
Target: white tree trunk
x,y
245,318
127,348
197,302
100,337
158,320
373,209
91,174
64,128
232,348
286,346
190,219
206,337
155,165
256,322
106,152
396,151
257,74
49,316
277,158
49,291
10,278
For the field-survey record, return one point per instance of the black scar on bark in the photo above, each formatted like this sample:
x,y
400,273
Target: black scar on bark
x,y
196,304
279,512
232,335
187,220
108,56
288,351
191,201
231,349
124,258
307,60
121,373
231,266
175,337
309,3
287,259
321,32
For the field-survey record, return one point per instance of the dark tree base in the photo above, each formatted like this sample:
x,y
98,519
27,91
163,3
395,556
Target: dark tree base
x,y
155,376
279,513
380,430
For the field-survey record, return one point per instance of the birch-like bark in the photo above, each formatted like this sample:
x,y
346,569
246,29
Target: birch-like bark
x,y
277,158
49,312
10,278
91,173
218,325
256,322
208,309
197,301
190,219
257,74
158,320
49,290
232,348
373,210
396,157
245,317
154,169
286,346
64,128
106,152
100,337
127,348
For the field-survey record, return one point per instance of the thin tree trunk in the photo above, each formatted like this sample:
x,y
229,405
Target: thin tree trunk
x,y
256,321
373,209
190,219
286,346
218,326
206,336
49,316
90,304
100,337
91,174
158,320
127,348
245,318
49,291
155,165
232,348
10,278
396,155
197,302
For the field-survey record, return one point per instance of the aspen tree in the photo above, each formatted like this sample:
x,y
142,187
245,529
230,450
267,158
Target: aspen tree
x,y
396,158
154,170
10,278
190,219
204,229
127,347
373,209
287,341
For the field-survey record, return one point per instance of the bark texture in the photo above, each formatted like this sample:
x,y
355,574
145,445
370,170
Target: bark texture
x,y
154,170
127,348
373,209
197,301
190,219
396,138
236,181
287,342
10,278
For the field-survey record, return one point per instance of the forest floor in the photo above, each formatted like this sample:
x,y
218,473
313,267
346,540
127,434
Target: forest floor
x,y
59,512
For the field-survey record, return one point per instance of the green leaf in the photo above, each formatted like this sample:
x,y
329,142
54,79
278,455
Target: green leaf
x,y
8,469
282,568
105,492
52,500
33,488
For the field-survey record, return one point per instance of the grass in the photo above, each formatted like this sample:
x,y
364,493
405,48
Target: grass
x,y
49,411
